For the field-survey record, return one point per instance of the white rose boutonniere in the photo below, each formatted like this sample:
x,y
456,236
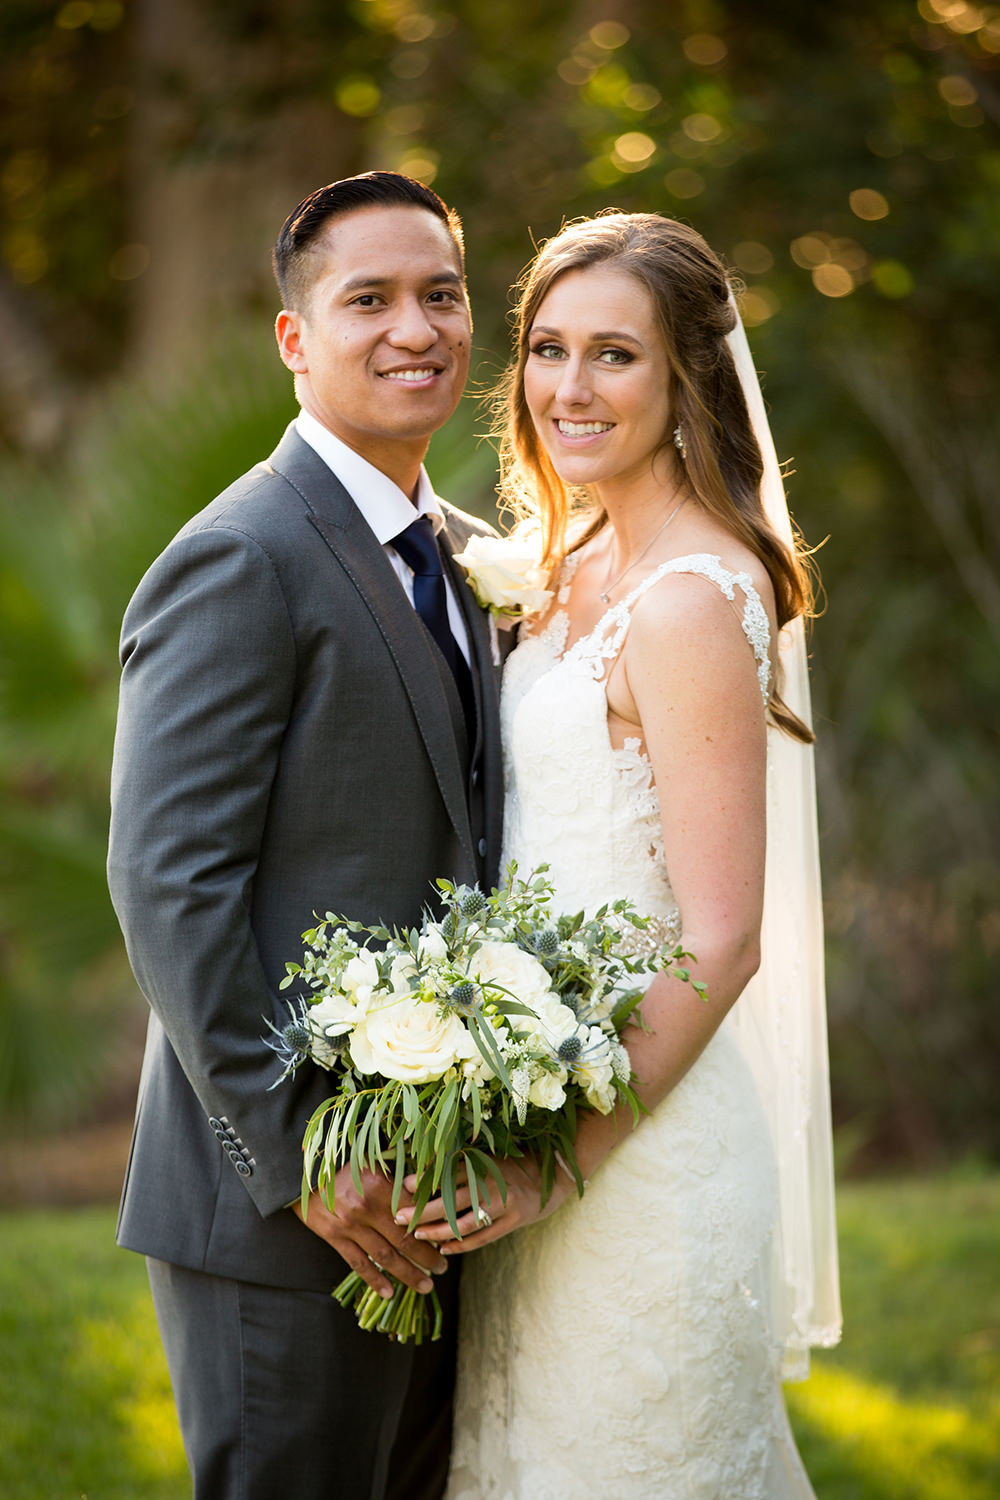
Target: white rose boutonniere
x,y
505,576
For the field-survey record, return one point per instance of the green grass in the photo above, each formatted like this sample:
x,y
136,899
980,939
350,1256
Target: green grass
x,y
908,1408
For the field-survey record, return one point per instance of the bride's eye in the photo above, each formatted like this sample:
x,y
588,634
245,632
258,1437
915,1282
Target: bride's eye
x,y
546,350
616,357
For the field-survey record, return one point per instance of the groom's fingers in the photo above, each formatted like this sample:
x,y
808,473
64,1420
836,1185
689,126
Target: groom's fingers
x,y
362,1231
377,1257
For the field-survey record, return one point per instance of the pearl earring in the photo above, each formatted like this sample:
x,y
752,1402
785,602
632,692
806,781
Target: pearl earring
x,y
679,442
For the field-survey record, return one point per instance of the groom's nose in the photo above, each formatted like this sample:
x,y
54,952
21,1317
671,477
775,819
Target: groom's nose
x,y
412,328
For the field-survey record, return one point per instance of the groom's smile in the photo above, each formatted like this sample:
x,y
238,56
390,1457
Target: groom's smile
x,y
380,344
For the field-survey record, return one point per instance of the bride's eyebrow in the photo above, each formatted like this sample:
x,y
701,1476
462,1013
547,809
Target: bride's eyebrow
x,y
614,336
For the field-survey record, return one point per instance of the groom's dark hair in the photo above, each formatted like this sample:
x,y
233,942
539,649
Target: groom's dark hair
x,y
293,253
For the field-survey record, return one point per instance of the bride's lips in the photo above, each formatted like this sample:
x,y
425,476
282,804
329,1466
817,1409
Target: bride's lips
x,y
576,434
416,377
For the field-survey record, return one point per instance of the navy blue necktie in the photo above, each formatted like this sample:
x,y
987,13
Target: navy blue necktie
x,y
418,548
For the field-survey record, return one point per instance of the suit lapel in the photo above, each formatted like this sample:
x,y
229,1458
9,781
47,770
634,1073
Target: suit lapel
x,y
348,536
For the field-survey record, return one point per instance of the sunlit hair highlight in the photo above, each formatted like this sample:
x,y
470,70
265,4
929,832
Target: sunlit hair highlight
x,y
723,466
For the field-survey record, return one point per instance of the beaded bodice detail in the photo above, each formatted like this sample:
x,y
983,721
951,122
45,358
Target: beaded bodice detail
x,y
587,808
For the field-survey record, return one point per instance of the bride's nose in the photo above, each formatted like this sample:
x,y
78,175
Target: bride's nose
x,y
574,388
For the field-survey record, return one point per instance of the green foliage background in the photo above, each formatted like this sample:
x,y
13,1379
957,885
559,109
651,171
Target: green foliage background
x,y
876,335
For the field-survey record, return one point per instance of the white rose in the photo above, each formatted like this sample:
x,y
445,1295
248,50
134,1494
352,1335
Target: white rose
x,y
504,574
548,1091
409,1039
508,967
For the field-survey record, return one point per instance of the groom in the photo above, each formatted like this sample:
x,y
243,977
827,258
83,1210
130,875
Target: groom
x,y
308,722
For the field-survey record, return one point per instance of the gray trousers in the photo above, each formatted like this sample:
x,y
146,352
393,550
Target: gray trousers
x,y
281,1396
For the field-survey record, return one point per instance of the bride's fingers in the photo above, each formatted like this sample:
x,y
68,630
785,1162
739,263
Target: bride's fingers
x,y
410,1183
441,1233
435,1209
475,1241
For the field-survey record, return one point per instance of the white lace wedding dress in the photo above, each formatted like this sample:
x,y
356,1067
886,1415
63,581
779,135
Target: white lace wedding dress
x,y
622,1349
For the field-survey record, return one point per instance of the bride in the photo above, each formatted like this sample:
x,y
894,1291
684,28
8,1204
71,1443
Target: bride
x,y
630,1344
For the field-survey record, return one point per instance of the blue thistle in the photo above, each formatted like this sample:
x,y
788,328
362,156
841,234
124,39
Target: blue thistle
x,y
546,942
338,1044
297,1036
570,1050
463,996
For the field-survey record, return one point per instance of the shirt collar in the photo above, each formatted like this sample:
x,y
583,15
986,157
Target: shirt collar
x,y
386,508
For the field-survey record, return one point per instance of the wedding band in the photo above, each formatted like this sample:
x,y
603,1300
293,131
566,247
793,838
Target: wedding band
x,y
483,1219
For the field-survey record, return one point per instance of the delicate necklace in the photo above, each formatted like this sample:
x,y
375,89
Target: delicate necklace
x,y
608,587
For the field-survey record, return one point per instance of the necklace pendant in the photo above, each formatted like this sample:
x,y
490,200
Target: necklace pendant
x,y
605,598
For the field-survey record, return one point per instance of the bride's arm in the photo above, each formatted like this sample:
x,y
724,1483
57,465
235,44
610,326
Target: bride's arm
x,y
692,679
689,681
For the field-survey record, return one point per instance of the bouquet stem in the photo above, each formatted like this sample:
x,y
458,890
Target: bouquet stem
x,y
406,1315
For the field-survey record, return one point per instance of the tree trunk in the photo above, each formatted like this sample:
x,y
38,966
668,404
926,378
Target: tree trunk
x,y
213,178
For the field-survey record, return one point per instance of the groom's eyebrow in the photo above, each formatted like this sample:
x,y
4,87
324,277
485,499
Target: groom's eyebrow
x,y
361,283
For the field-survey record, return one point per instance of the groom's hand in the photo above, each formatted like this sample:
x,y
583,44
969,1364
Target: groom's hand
x,y
362,1230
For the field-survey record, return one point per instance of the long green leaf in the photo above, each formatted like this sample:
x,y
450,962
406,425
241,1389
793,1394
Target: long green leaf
x,y
422,1196
399,1172
487,1164
485,1040
472,1179
447,1117
477,1110
448,1193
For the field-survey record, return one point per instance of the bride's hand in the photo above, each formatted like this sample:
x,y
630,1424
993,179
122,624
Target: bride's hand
x,y
496,1218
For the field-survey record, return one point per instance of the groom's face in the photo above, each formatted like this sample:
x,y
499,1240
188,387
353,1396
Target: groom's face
x,y
380,346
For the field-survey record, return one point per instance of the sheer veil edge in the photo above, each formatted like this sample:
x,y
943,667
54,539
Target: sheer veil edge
x,y
780,1020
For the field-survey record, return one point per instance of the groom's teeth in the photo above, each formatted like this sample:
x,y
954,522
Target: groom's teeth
x,y
409,374
583,429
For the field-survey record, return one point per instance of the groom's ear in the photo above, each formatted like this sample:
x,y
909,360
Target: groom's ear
x,y
288,332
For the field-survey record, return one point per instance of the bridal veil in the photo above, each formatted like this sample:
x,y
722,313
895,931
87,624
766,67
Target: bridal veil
x,y
780,1020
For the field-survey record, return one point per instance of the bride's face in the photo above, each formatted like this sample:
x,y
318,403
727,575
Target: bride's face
x,y
597,379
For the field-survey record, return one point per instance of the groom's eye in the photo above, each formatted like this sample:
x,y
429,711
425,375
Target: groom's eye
x,y
367,299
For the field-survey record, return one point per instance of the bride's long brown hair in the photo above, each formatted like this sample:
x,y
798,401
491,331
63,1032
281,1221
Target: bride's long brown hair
x,y
723,466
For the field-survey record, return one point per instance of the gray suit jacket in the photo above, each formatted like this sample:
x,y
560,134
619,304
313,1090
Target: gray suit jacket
x,y
289,740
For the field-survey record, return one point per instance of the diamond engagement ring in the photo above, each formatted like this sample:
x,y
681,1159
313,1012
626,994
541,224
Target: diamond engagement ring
x,y
483,1219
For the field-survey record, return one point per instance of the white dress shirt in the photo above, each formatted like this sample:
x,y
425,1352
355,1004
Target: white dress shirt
x,y
387,509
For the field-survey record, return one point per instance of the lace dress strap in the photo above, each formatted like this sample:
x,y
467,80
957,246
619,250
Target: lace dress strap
x,y
604,643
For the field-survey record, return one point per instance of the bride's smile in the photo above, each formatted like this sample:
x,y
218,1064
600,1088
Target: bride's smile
x,y
597,380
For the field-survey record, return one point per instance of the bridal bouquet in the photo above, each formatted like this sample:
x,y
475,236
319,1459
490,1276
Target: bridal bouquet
x,y
475,1036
